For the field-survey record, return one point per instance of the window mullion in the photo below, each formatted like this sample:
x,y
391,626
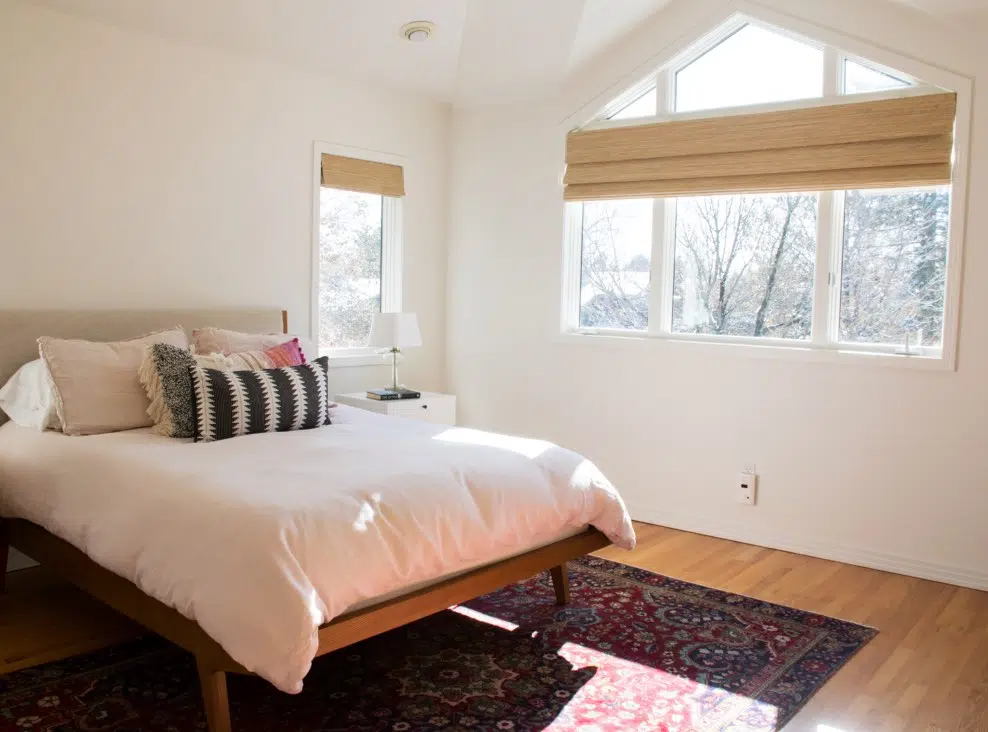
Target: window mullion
x,y
657,323
663,232
832,72
836,261
822,331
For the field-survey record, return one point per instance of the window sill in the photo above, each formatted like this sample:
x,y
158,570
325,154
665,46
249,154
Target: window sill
x,y
772,350
350,360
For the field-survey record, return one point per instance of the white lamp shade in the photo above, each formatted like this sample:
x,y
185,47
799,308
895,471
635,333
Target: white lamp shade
x,y
390,330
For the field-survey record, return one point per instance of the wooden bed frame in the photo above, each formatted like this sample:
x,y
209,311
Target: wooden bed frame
x,y
214,663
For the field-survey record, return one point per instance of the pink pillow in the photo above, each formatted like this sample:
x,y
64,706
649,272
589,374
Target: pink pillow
x,y
287,354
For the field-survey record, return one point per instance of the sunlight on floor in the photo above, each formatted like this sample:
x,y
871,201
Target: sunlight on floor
x,y
828,728
520,445
625,690
483,618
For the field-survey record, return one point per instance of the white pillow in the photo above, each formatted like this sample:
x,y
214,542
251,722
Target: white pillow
x,y
28,397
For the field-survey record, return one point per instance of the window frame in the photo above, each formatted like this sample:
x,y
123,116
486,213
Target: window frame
x,y
824,343
392,240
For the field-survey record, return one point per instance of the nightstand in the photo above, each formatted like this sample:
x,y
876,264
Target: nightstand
x,y
430,407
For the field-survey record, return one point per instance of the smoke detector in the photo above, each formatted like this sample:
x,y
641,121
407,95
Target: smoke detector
x,y
417,31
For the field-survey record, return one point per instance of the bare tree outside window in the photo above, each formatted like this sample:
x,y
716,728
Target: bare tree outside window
x,y
894,268
617,247
745,265
350,227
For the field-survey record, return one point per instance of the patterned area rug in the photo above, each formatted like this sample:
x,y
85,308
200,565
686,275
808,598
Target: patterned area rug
x,y
633,651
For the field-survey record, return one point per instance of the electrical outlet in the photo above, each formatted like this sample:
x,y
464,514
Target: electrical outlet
x,y
749,468
747,489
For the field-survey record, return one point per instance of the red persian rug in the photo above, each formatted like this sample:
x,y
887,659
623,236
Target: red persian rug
x,y
633,651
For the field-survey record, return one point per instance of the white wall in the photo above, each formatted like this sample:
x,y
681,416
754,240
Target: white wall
x,y
143,172
876,465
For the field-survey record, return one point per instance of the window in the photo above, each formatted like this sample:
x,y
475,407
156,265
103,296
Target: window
x,y
643,106
861,79
745,265
751,66
357,253
894,266
829,270
614,281
350,241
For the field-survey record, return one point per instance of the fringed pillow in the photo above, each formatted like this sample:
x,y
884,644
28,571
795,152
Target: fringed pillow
x,y
166,374
234,403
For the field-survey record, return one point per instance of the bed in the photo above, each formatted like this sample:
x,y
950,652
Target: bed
x,y
260,553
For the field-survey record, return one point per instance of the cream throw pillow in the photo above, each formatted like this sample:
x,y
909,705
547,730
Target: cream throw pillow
x,y
97,388
220,340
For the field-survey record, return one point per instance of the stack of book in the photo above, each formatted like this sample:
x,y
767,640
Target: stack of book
x,y
399,393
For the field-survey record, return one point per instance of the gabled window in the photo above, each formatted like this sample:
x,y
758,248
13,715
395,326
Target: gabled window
x,y
838,269
751,66
643,105
859,78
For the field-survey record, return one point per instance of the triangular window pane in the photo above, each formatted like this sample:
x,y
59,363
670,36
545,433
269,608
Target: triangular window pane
x,y
752,66
643,106
861,79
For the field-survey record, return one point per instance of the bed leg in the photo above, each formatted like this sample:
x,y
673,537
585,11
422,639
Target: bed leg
x,y
214,696
4,553
560,582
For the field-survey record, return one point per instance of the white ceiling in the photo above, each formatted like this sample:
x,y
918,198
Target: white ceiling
x,y
957,11
484,51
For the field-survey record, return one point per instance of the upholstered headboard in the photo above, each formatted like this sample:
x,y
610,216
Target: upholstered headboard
x,y
20,329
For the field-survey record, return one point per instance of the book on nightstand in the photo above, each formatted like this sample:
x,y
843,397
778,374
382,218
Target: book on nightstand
x,y
386,394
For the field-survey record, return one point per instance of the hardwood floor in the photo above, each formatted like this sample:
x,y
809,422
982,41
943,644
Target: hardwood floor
x,y
42,619
926,670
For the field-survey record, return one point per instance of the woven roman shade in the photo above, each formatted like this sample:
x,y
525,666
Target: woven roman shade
x,y
905,141
364,176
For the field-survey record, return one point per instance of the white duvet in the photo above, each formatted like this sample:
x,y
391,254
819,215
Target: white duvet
x,y
262,539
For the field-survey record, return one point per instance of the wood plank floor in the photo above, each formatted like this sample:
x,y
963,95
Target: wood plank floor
x,y
926,670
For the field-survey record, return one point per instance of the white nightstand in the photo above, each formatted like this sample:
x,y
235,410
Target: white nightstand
x,y
430,407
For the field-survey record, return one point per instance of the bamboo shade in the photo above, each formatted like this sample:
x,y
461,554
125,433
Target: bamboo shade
x,y
905,141
364,176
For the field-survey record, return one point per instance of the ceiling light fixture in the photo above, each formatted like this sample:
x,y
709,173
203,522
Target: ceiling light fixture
x,y
417,31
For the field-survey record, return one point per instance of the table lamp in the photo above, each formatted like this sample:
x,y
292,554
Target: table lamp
x,y
394,331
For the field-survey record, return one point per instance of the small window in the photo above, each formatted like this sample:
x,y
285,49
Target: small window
x,y
894,267
357,252
350,248
861,79
752,66
615,266
643,106
744,265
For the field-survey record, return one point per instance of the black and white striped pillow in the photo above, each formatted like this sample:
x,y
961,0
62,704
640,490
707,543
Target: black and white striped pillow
x,y
233,403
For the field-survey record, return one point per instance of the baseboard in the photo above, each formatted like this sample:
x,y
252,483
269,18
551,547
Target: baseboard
x,y
16,560
700,524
